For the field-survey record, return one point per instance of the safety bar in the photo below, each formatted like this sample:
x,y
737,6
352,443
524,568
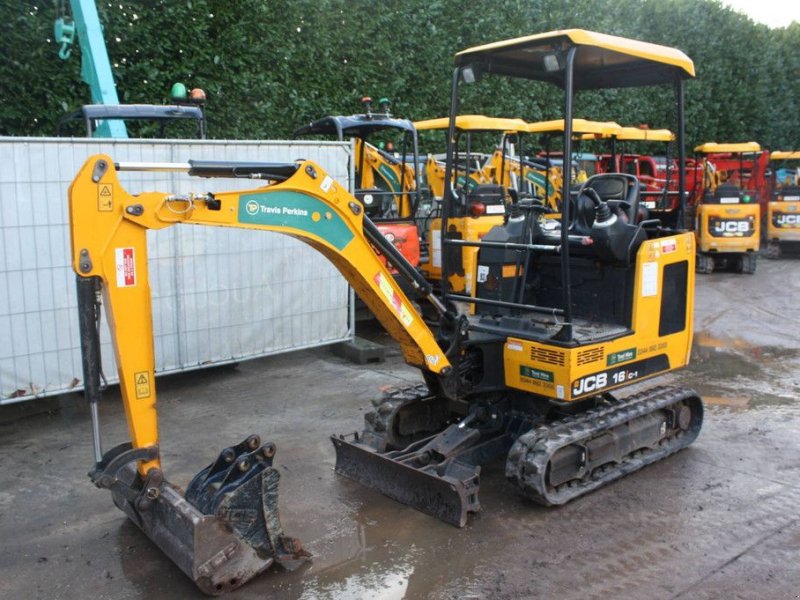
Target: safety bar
x,y
504,304
510,245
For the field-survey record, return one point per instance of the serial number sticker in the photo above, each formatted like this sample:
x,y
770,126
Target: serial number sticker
x,y
142,381
495,209
125,262
483,273
649,279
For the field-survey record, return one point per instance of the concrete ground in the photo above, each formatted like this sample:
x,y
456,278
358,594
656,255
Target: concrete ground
x,y
718,520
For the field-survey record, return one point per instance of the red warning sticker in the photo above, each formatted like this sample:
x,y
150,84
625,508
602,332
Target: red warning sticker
x,y
126,267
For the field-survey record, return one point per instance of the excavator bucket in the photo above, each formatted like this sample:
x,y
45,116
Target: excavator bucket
x,y
224,530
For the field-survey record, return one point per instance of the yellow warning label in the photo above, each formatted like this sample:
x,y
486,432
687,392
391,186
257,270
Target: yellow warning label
x,y
142,380
105,197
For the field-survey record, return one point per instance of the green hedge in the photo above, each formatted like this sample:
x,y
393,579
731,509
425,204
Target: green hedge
x,y
269,66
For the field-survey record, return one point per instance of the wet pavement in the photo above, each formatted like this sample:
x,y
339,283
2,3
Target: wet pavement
x,y
718,520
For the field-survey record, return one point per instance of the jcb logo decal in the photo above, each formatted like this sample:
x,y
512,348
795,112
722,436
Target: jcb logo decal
x,y
591,383
787,220
732,227
728,228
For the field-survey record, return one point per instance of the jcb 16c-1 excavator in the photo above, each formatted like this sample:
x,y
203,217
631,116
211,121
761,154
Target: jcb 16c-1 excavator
x,y
563,317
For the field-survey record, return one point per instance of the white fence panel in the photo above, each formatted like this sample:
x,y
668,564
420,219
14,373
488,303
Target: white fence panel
x,y
219,295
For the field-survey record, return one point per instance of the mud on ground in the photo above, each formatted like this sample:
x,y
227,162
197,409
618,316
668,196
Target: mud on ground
x,y
718,520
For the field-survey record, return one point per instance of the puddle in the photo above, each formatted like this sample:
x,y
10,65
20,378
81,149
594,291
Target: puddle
x,y
370,580
731,372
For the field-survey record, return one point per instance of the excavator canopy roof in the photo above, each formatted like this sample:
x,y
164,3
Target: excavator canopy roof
x,y
474,123
645,135
601,60
359,126
714,147
579,126
785,155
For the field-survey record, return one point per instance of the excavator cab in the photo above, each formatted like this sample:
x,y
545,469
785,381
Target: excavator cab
x,y
783,204
727,215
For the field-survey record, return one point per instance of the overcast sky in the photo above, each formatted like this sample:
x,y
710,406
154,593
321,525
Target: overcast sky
x,y
775,13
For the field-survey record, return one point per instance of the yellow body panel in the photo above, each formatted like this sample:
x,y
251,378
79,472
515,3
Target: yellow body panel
x,y
108,232
733,228
472,229
569,374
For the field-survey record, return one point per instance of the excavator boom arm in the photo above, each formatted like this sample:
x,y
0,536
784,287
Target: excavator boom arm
x,y
109,226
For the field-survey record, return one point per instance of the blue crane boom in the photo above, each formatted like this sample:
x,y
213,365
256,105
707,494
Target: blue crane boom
x,y
95,64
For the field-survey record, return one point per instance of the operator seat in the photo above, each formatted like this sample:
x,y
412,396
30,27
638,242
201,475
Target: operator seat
x,y
621,191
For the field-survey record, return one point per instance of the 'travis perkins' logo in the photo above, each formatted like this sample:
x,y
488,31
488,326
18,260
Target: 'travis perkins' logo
x,y
251,207
293,212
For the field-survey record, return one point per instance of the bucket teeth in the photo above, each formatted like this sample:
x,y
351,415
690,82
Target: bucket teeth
x,y
225,529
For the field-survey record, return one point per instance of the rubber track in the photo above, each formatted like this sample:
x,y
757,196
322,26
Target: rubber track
x,y
386,407
527,461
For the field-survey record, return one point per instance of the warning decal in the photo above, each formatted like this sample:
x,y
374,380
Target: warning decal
x,y
142,381
105,197
394,298
125,261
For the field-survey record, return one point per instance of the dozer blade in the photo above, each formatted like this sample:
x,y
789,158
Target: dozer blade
x,y
225,530
447,491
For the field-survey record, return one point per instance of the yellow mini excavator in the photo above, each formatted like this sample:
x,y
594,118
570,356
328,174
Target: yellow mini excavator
x,y
727,211
564,316
782,221
484,196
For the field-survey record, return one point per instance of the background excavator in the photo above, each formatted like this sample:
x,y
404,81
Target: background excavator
x,y
783,205
656,174
726,208
550,132
480,178
563,317
386,184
